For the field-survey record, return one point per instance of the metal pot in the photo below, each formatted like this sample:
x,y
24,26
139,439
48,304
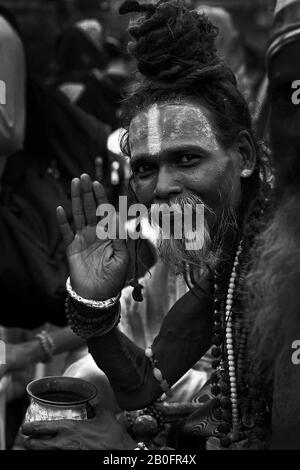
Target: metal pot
x,y
54,398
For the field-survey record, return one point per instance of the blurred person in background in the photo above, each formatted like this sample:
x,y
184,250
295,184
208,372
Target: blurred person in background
x,y
44,143
252,81
229,44
275,278
92,70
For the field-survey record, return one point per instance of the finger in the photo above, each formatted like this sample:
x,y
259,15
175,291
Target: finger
x,y
77,207
89,203
99,168
99,193
40,428
64,226
119,245
38,444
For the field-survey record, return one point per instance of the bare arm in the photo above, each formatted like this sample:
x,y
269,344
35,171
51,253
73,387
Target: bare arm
x,y
184,338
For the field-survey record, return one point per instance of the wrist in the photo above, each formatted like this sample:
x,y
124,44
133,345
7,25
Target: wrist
x,y
90,301
85,291
46,345
35,352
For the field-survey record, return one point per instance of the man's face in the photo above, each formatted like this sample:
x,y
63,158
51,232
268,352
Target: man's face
x,y
174,151
175,157
284,69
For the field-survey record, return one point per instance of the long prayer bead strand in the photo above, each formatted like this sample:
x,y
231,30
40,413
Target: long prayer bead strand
x,y
230,347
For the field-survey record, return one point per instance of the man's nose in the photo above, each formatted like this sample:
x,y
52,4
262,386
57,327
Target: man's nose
x,y
167,184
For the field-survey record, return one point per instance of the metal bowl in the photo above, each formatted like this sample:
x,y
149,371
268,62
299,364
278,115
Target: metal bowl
x,y
54,398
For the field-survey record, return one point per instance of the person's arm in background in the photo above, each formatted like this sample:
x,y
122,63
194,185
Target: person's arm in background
x,y
19,356
12,90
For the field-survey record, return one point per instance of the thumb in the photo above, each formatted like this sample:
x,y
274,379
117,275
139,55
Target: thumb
x,y
40,428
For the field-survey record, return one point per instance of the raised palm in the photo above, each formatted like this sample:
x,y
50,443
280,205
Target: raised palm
x,y
98,268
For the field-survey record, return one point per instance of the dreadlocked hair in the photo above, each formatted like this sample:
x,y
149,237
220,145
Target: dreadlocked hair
x,y
177,60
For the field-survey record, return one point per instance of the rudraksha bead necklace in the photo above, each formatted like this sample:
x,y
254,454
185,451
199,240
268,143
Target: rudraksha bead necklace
x,y
236,413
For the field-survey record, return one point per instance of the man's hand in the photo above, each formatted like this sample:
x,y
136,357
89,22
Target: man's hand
x,y
98,268
100,433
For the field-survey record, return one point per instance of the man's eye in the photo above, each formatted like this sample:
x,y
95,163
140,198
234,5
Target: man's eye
x,y
188,158
142,169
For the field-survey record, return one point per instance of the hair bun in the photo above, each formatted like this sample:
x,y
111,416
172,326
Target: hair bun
x,y
171,42
131,6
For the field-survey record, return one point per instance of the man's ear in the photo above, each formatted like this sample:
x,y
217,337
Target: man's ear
x,y
247,152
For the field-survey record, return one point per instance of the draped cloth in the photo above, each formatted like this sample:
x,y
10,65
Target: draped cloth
x,y
141,322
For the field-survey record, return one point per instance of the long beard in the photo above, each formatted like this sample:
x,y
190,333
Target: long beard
x,y
207,244
274,285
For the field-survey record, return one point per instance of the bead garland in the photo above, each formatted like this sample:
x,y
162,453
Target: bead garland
x,y
153,411
146,422
248,416
224,382
157,373
230,347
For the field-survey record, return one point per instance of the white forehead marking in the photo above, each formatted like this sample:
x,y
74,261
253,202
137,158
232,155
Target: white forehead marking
x,y
154,131
182,121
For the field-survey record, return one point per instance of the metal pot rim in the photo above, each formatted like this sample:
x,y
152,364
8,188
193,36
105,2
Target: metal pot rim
x,y
93,391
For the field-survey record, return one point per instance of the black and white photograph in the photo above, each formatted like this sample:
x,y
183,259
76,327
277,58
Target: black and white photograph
x,y
149,229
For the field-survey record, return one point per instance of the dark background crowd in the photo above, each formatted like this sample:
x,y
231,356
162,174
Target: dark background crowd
x,y
42,22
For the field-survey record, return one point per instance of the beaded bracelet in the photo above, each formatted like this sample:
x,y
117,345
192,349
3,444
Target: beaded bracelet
x,y
88,327
47,344
157,373
138,420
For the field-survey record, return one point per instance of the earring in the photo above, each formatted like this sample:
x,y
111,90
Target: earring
x,y
246,173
